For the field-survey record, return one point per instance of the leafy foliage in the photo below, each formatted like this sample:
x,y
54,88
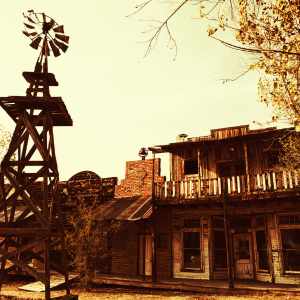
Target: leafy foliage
x,y
267,28
5,137
87,239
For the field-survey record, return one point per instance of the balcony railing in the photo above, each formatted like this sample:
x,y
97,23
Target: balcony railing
x,y
236,185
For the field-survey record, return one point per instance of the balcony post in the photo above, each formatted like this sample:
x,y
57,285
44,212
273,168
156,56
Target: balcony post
x,y
245,147
227,234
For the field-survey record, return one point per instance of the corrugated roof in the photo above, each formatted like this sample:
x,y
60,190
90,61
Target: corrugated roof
x,y
126,208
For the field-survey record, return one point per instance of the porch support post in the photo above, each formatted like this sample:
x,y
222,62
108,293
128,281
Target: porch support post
x,y
154,208
227,235
246,166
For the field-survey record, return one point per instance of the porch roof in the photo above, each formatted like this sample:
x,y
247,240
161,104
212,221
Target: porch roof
x,y
132,208
216,138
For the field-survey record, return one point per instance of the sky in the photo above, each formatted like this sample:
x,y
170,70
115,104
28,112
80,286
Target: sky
x,y
119,99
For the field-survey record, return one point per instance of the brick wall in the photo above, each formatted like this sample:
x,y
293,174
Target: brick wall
x,y
139,177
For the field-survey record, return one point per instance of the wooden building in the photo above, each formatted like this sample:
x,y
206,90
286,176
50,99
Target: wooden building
x,y
176,228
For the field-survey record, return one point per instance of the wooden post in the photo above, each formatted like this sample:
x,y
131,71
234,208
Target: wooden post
x,y
154,265
227,234
246,166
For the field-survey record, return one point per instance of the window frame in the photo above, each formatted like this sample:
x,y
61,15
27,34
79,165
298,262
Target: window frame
x,y
281,227
261,227
200,231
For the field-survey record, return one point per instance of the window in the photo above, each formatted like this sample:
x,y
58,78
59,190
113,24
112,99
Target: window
x,y
262,250
291,249
190,166
219,244
191,251
191,245
220,256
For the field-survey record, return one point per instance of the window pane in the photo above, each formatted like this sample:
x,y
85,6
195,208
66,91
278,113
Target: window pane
x,y
190,166
291,249
191,240
220,259
261,243
191,249
192,258
243,249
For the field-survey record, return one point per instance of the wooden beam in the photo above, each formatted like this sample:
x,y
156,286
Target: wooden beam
x,y
227,235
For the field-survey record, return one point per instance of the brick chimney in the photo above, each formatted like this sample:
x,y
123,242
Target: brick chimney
x,y
139,177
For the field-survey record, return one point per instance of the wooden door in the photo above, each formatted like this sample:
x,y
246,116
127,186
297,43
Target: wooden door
x,y
243,259
148,255
145,255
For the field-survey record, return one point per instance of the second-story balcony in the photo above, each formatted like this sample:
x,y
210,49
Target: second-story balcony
x,y
241,185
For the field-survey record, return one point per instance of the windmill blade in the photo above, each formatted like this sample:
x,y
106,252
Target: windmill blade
x,y
61,45
29,26
30,20
26,33
59,29
54,49
36,42
29,33
62,37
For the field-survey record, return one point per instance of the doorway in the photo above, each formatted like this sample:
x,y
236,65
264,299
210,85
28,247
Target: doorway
x,y
243,258
145,254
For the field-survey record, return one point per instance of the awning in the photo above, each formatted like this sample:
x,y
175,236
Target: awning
x,y
126,208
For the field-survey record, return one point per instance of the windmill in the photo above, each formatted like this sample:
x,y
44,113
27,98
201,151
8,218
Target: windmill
x,y
30,218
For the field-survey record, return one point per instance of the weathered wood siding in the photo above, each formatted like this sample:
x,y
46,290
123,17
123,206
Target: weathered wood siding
x,y
164,251
211,154
125,251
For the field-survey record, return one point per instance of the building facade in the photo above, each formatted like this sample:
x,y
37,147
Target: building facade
x,y
228,211
229,205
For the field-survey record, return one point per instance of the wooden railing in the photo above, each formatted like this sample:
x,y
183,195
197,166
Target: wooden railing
x,y
242,184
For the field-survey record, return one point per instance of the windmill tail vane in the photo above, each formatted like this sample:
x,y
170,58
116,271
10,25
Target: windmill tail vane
x,y
45,34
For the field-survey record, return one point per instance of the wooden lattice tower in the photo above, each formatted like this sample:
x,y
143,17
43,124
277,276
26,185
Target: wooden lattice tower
x,y
30,219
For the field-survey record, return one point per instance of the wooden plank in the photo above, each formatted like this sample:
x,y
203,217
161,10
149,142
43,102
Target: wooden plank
x,y
55,281
7,231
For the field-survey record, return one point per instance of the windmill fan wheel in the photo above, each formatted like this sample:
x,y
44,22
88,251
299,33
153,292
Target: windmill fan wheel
x,y
45,33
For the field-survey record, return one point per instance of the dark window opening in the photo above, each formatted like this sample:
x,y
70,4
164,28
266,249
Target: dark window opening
x,y
232,168
243,249
262,250
240,224
191,251
218,222
190,166
260,221
220,258
291,249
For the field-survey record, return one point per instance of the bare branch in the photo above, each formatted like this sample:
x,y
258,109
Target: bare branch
x,y
140,7
254,50
165,25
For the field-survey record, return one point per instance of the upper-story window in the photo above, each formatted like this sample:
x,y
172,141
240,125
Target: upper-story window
x,y
190,166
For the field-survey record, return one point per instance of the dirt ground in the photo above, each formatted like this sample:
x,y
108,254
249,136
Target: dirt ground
x,y
112,293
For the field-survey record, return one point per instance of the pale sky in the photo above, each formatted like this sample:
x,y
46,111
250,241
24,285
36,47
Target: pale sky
x,y
120,101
